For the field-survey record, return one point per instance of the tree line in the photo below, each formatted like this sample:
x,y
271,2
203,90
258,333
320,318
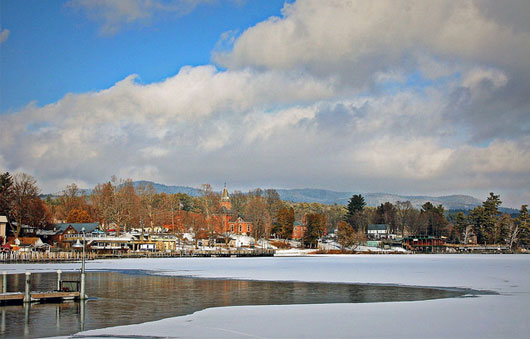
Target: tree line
x,y
485,223
118,204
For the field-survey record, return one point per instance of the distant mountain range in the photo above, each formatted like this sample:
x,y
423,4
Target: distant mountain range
x,y
375,199
450,202
333,197
160,188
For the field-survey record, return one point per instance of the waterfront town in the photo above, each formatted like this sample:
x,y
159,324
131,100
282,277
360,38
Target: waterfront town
x,y
119,219
264,169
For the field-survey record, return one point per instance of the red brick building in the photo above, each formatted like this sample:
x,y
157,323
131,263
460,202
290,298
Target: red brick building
x,y
232,223
298,230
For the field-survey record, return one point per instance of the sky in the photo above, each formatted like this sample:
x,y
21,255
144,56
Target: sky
x,y
406,97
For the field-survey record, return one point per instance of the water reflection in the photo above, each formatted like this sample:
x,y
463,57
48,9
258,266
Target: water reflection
x,y
121,299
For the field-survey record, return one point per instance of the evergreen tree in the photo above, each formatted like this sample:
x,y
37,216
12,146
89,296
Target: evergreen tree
x,y
502,232
387,214
356,204
6,193
433,217
523,222
354,212
477,218
460,226
491,217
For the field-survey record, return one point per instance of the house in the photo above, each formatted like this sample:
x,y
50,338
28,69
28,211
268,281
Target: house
x,y
242,241
378,231
3,230
65,234
238,226
299,230
102,243
165,243
70,234
28,244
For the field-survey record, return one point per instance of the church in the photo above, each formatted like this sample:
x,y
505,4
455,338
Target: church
x,y
232,223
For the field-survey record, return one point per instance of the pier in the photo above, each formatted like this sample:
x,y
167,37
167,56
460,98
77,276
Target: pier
x,y
43,297
66,290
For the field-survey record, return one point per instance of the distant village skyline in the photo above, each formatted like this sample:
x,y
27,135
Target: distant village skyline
x,y
402,97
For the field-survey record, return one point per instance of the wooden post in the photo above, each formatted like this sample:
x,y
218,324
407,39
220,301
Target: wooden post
x,y
27,307
59,280
27,288
4,282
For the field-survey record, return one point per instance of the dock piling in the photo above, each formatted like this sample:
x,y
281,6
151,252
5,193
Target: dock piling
x,y
59,280
27,288
4,282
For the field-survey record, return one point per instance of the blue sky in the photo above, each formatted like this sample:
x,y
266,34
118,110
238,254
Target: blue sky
x,y
401,96
54,49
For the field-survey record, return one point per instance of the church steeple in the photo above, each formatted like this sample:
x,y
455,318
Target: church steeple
x,y
224,196
225,199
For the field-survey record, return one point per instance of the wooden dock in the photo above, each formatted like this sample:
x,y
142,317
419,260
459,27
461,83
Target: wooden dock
x,y
43,297
21,257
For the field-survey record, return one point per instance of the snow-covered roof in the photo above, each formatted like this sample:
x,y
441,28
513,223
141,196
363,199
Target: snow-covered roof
x,y
377,227
88,226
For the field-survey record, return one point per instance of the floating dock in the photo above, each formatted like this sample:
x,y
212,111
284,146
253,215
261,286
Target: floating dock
x,y
43,297
65,290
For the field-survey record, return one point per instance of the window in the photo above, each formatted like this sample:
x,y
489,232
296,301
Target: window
x,y
239,228
248,228
232,228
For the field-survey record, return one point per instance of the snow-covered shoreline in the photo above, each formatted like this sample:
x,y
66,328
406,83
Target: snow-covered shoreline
x,y
505,315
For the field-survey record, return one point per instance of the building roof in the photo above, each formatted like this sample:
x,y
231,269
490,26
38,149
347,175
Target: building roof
x,y
3,219
421,237
89,226
377,227
46,233
237,218
26,241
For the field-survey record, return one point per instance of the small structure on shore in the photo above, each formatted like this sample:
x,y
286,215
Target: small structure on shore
x,y
424,244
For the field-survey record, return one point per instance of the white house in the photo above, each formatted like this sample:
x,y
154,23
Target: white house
x,y
378,231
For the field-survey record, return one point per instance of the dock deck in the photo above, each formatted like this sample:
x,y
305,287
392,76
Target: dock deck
x,y
52,296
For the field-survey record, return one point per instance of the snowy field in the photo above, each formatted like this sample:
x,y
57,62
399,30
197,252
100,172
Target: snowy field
x,y
506,315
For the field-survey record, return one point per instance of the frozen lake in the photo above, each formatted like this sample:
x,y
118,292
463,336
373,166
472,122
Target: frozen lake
x,y
505,315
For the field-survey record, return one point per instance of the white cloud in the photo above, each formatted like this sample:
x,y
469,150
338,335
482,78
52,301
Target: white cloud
x,y
4,34
255,128
304,103
359,38
113,15
478,76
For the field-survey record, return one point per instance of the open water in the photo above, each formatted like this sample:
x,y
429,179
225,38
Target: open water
x,y
129,297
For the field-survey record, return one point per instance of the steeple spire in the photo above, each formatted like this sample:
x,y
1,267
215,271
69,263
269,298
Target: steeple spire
x,y
224,196
225,200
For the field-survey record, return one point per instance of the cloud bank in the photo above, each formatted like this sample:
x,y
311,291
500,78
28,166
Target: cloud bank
x,y
403,97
